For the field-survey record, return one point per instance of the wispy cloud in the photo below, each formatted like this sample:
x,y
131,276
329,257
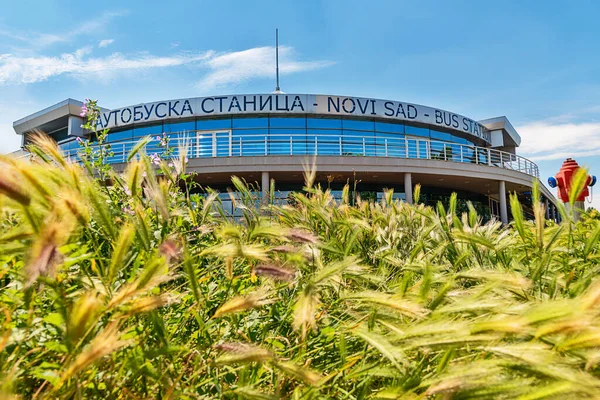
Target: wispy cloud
x,y
550,140
41,40
20,70
236,67
224,68
105,42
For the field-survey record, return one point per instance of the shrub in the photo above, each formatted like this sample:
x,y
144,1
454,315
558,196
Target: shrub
x,y
141,289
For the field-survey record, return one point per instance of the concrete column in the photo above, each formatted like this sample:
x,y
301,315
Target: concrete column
x,y
264,186
408,188
547,204
502,195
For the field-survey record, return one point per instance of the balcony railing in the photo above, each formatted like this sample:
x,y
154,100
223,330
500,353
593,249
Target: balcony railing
x,y
224,144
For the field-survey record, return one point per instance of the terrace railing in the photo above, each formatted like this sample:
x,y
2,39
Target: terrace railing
x,y
224,144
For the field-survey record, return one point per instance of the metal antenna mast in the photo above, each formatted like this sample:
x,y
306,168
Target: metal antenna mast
x,y
277,89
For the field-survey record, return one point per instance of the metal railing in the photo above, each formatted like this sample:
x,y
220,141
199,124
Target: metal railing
x,y
224,144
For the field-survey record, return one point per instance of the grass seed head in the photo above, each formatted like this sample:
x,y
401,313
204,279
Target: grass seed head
x,y
275,271
14,191
302,236
242,353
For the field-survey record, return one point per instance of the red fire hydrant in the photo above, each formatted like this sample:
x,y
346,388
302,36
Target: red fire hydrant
x,y
563,181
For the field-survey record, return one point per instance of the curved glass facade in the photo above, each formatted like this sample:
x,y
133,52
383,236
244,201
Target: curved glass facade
x,y
239,136
243,136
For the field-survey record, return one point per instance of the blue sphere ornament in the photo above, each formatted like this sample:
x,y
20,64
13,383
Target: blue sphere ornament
x,y
593,181
552,182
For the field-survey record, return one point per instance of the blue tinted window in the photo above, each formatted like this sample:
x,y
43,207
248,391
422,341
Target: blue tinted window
x,y
436,135
277,122
250,122
250,142
324,141
414,131
211,124
385,127
290,139
148,130
358,143
118,136
287,131
70,145
390,145
180,127
325,123
250,132
286,144
358,125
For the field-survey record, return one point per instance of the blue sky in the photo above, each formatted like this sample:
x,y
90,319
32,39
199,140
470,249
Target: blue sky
x,y
537,62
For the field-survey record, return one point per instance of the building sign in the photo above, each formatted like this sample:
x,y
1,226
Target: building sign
x,y
290,104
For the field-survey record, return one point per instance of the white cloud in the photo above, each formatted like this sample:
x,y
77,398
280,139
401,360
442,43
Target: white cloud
x,y
19,70
224,68
236,67
105,42
548,140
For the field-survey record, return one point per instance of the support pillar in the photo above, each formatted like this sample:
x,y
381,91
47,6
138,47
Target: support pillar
x,y
547,204
408,188
264,186
502,196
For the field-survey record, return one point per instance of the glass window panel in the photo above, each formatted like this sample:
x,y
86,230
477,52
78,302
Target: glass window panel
x,y
324,141
287,141
182,127
390,145
280,144
210,124
468,154
437,135
438,151
358,143
358,125
278,122
414,131
324,123
222,140
417,148
204,144
250,142
148,130
456,151
61,134
262,122
119,136
387,127
482,156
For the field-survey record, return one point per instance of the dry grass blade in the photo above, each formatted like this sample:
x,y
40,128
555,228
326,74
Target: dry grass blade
x,y
302,373
404,306
305,310
106,342
242,353
242,303
381,344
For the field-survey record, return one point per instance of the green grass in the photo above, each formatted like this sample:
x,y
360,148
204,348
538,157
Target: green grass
x,y
140,290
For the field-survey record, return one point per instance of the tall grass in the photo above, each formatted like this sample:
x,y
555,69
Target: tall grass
x,y
139,289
